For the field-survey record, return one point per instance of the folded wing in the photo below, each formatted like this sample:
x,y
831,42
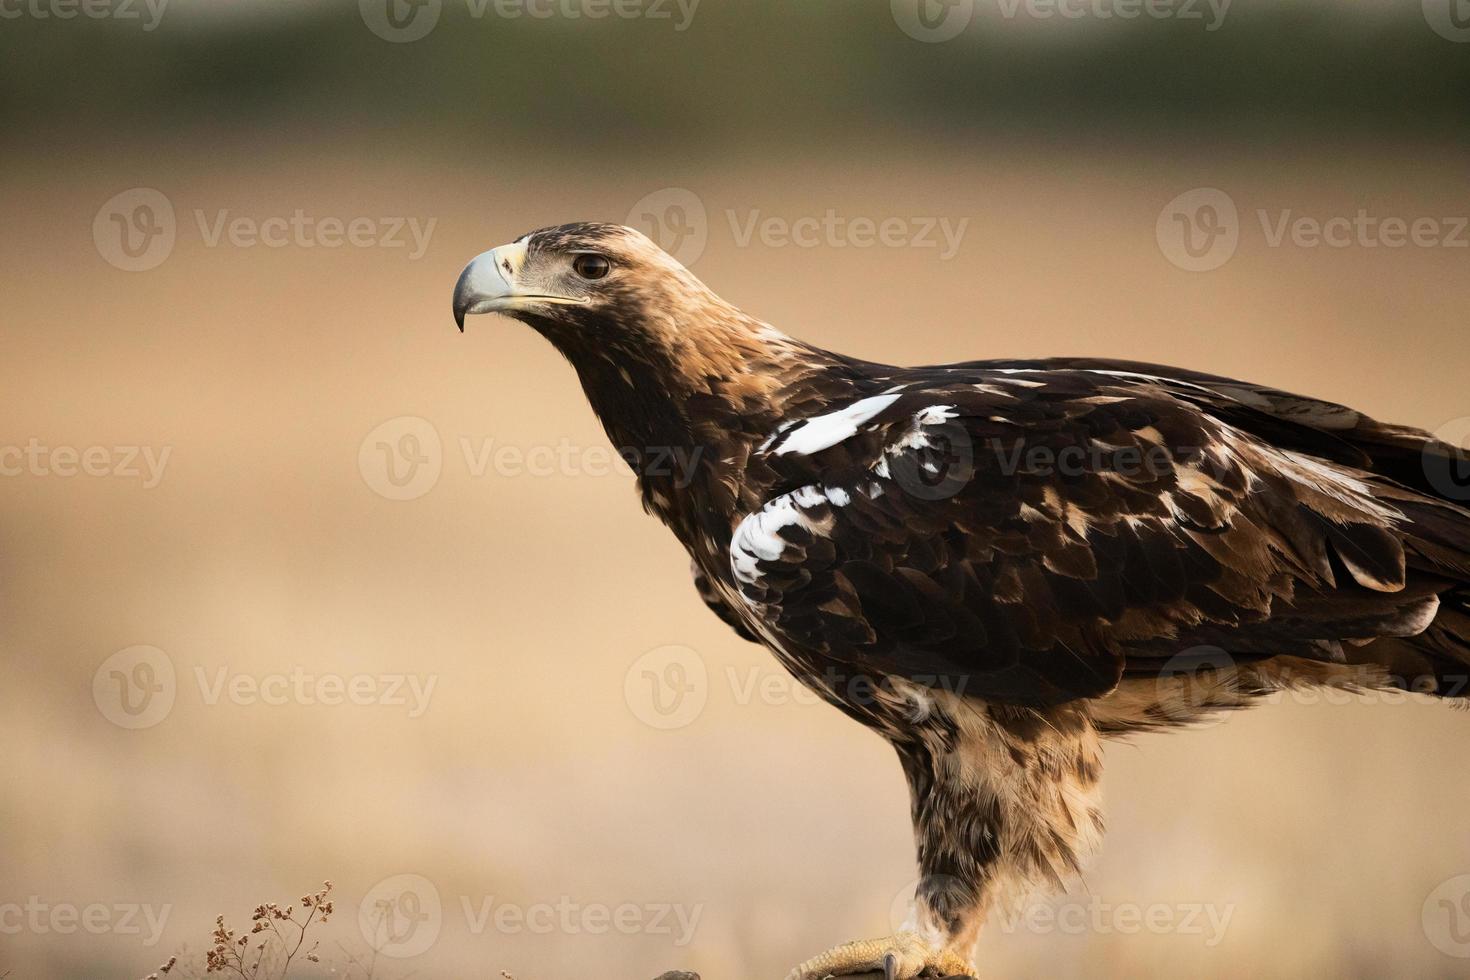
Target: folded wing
x,y
1031,535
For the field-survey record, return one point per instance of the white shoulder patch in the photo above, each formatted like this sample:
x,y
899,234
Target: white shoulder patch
x,y
825,431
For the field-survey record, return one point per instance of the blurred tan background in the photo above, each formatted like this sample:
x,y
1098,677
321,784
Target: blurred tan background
x,y
539,767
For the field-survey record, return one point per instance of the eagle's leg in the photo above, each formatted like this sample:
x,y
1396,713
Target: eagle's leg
x,y
1004,800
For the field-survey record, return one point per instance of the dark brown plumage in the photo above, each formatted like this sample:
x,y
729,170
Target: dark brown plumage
x,y
994,564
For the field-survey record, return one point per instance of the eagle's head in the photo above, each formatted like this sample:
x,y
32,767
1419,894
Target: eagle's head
x,y
587,282
624,312
646,337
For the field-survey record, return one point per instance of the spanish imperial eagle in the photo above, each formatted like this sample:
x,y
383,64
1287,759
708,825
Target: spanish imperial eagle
x,y
997,564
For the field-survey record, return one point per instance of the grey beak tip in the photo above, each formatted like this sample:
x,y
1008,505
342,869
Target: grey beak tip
x,y
462,297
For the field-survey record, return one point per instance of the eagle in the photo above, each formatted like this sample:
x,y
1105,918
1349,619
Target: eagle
x,y
998,564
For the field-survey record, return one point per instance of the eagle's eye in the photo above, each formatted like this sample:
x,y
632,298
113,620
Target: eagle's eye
x,y
590,265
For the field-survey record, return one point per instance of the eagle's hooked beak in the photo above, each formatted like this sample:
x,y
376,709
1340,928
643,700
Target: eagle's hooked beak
x,y
488,285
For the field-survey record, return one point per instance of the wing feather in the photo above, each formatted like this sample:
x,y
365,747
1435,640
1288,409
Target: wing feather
x,y
1032,542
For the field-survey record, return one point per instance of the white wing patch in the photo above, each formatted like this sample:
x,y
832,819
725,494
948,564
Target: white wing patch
x,y
757,538
825,431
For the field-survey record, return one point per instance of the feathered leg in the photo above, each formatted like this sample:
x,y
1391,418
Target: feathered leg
x,y
1004,800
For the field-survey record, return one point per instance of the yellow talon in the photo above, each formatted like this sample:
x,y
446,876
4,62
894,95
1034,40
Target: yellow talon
x,y
905,956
